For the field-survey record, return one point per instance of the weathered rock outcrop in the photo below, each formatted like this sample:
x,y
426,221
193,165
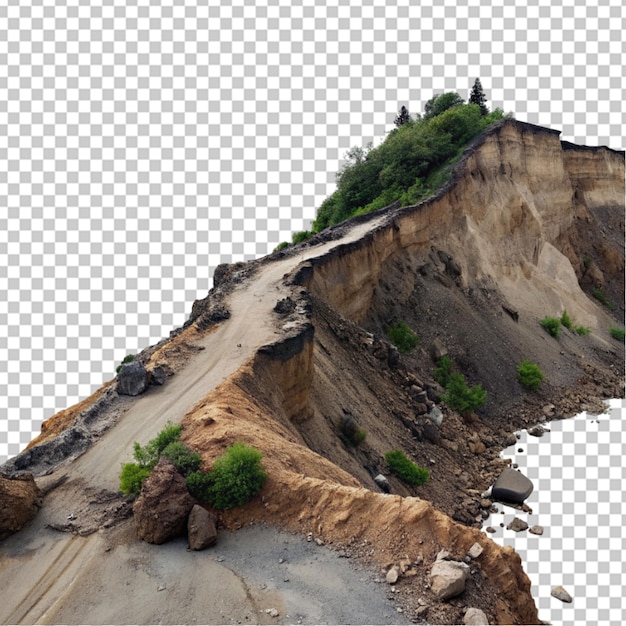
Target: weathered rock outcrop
x,y
163,506
201,528
20,499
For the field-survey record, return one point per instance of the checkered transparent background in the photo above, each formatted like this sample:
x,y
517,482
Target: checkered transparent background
x,y
141,145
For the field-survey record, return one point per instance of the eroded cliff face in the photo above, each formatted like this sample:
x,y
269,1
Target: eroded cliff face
x,y
517,215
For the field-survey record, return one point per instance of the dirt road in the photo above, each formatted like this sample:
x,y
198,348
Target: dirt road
x,y
52,577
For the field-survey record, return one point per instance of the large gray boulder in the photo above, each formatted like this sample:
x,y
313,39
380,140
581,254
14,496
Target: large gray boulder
x,y
511,486
132,379
447,578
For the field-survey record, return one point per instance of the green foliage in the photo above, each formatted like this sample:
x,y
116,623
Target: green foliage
x,y
551,325
410,165
403,117
587,261
236,477
599,295
617,333
184,460
529,375
461,397
132,477
478,97
402,337
405,469
300,236
199,484
281,246
129,358
443,371
582,330
359,437
566,320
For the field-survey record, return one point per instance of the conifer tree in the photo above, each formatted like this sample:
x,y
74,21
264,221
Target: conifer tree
x,y
478,97
403,117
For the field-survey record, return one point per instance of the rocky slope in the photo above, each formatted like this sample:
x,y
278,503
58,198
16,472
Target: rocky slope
x,y
287,350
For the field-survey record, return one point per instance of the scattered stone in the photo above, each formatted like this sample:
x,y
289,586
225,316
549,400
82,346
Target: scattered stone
x,y
431,433
548,410
560,594
383,483
537,431
475,551
285,306
309,537
476,447
161,588
438,350
490,529
475,617
536,530
21,498
486,503
132,379
393,358
272,612
421,611
448,578
520,449
201,528
318,541
435,416
392,575
443,555
517,524
162,508
512,486
158,375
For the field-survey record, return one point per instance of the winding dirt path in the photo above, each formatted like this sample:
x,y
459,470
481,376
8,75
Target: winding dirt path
x,y
43,572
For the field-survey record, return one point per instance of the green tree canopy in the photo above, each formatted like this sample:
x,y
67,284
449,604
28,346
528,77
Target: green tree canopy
x,y
478,97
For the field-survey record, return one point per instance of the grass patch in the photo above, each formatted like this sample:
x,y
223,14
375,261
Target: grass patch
x,y
617,333
462,398
566,320
529,375
405,469
402,337
582,330
599,295
551,325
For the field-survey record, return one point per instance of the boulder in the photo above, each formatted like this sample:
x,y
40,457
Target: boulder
x,y
158,375
132,379
20,499
201,528
435,416
438,350
560,594
383,483
517,524
162,508
392,575
511,486
447,578
475,617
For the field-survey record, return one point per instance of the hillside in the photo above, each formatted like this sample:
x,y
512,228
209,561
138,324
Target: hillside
x,y
527,227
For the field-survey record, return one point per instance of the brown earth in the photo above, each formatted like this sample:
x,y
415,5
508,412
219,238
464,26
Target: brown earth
x,y
527,228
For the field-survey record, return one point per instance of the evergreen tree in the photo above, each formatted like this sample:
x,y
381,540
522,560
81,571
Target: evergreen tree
x,y
403,117
478,97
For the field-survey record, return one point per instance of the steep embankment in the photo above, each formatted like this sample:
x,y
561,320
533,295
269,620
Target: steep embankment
x,y
527,227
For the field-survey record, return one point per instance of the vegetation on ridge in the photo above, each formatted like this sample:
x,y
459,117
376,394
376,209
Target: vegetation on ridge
x,y
413,162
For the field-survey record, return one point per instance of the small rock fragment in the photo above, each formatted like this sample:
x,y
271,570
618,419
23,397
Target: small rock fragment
x,y
475,551
490,529
475,617
560,594
272,612
517,524
392,575
536,530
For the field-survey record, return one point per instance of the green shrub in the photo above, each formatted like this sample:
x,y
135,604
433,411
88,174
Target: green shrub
x,y
462,398
566,320
587,261
402,337
359,437
132,477
582,330
236,477
599,295
405,469
617,333
281,246
184,460
551,325
529,375
300,236
129,358
443,371
199,484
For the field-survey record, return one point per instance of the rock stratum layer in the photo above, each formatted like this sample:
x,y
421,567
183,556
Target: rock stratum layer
x,y
288,349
